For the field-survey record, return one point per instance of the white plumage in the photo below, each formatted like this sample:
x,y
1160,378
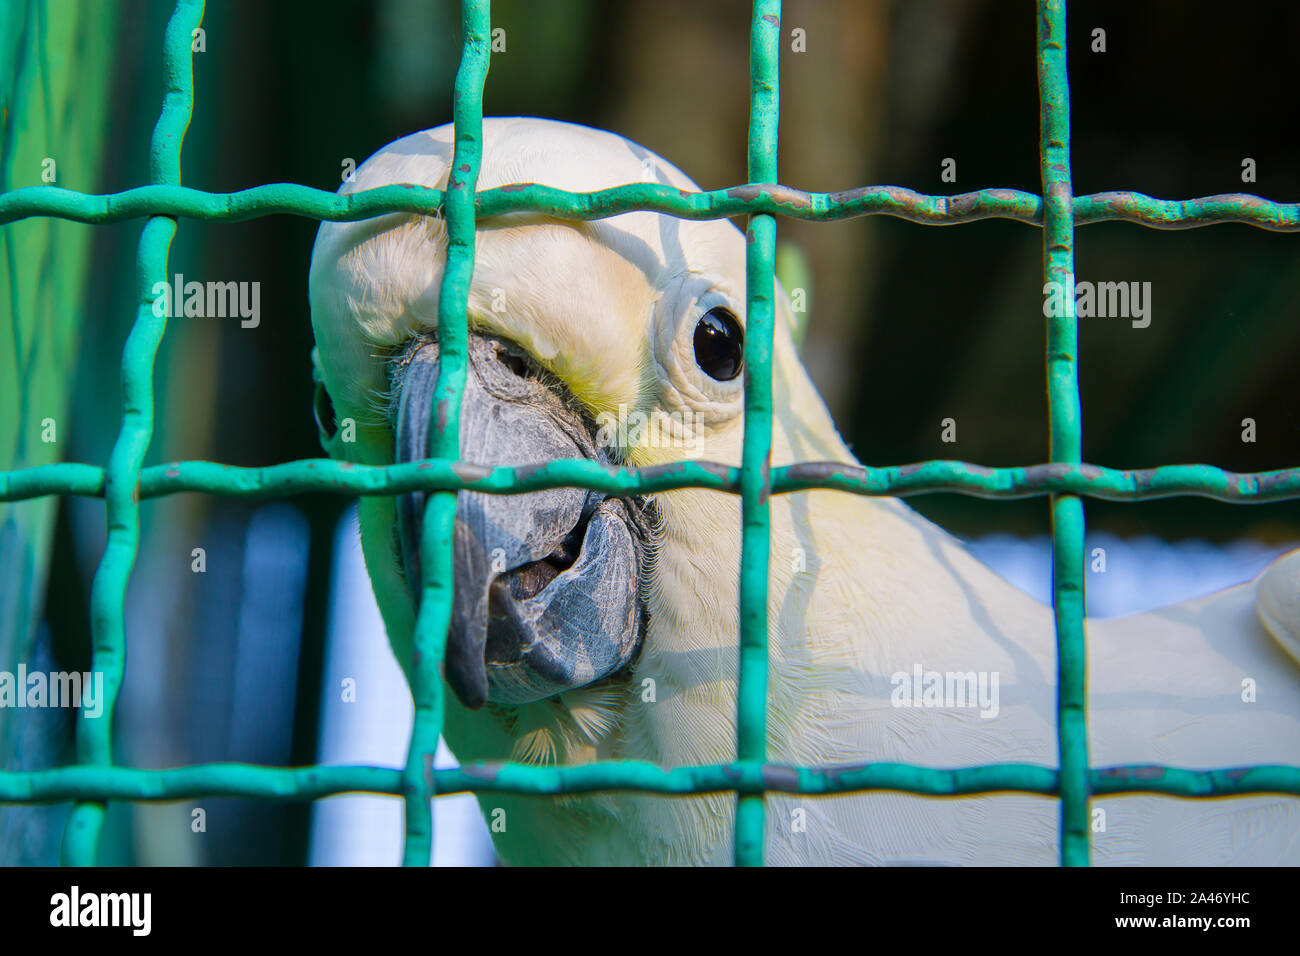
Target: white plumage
x,y
861,589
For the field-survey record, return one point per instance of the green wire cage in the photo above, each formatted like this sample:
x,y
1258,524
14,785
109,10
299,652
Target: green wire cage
x,y
124,483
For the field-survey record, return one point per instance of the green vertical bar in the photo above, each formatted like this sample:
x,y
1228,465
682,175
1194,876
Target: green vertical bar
x,y
108,591
1066,439
436,559
755,475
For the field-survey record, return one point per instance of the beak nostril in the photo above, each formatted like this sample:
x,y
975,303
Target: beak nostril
x,y
516,364
528,580
567,551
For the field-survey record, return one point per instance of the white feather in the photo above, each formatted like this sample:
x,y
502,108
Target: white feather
x,y
861,589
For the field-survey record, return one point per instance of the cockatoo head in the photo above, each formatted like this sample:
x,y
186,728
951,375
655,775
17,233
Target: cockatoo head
x,y
618,340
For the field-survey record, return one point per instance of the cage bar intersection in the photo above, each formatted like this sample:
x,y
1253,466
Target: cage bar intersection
x,y
1065,479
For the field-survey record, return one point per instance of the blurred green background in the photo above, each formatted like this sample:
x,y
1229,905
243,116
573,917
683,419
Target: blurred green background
x,y
909,324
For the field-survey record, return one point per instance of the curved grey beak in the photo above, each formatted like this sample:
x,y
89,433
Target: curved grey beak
x,y
546,589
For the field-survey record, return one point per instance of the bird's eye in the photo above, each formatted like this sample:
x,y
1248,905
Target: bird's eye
x,y
719,344
324,409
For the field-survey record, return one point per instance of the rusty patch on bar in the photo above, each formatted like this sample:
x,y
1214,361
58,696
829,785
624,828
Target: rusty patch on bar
x,y
781,195
780,777
524,472
836,774
442,415
468,471
963,205
1144,772
1270,481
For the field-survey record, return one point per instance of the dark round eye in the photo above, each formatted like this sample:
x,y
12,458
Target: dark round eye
x,y
324,409
719,344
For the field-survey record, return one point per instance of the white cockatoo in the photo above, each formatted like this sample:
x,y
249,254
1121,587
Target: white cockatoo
x,y
587,628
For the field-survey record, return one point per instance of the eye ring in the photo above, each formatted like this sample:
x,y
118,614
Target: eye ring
x,y
322,407
719,344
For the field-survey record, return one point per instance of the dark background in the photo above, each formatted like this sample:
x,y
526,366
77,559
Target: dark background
x,y
909,324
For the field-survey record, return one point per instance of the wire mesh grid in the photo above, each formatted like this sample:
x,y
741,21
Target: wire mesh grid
x,y
124,483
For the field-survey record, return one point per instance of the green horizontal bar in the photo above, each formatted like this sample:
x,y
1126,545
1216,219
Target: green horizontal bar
x,y
63,478
1094,481
199,780
269,200
1243,208
929,477
1180,782
83,782
298,200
